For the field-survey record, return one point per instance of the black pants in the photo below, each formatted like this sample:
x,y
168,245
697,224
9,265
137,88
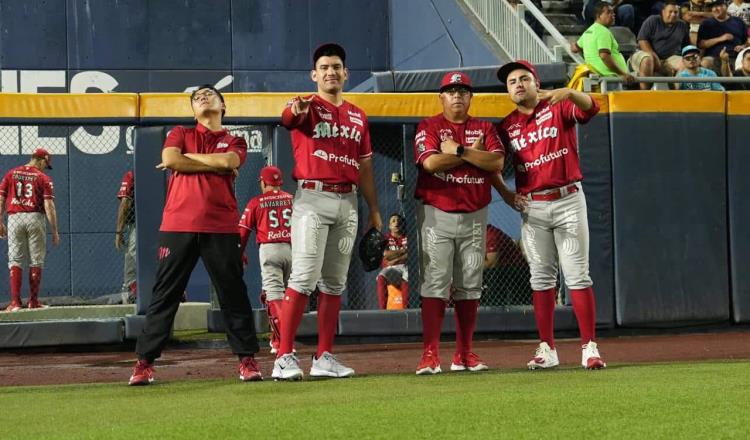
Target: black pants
x,y
178,255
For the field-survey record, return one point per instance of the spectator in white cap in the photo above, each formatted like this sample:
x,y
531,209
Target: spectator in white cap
x,y
691,59
741,68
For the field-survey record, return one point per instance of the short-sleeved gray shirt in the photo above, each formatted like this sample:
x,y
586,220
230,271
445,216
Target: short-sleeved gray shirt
x,y
666,40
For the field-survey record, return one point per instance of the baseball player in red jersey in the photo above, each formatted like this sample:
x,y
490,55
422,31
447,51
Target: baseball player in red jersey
x,y
332,161
394,270
28,195
456,155
541,132
126,227
270,216
200,221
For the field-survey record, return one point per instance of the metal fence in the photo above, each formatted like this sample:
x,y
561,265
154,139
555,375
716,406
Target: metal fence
x,y
88,167
95,260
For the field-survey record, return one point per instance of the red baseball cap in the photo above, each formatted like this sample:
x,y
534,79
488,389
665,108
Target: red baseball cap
x,y
455,79
271,176
41,153
503,72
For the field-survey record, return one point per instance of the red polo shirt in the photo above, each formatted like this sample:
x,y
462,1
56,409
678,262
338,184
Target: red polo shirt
x,y
202,202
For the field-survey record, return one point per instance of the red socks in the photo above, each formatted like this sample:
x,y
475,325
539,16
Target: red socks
x,y
273,309
544,312
433,312
16,275
35,280
328,319
466,322
382,293
292,309
584,307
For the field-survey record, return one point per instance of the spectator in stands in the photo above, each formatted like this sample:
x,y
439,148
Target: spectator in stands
x,y
691,59
740,9
721,31
600,49
660,40
395,272
694,12
625,13
506,272
126,228
741,68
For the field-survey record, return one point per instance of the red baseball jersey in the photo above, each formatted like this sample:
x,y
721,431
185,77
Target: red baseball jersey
x,y
25,188
202,202
465,188
270,215
393,244
126,186
329,142
544,144
508,252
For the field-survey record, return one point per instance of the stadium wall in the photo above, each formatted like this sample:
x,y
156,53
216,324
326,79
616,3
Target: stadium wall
x,y
664,244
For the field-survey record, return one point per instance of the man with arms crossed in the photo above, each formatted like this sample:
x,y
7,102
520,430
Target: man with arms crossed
x,y
332,160
456,155
200,221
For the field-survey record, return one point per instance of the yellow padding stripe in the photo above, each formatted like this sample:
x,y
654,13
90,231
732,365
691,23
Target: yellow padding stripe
x,y
658,101
270,105
738,103
68,105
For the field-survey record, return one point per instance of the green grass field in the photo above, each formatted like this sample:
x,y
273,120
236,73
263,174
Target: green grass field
x,y
704,400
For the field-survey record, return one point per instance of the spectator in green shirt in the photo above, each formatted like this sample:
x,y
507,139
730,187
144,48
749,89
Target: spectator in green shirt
x,y
600,49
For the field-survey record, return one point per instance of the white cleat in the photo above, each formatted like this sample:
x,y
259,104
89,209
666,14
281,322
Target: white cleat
x,y
287,367
544,357
590,358
328,366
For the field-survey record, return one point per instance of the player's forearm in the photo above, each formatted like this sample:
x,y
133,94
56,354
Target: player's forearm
x,y
393,255
490,259
221,161
485,160
122,212
499,184
290,120
244,237
189,166
2,208
439,162
581,100
367,184
51,212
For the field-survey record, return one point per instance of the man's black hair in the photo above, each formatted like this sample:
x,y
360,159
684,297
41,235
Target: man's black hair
x,y
212,88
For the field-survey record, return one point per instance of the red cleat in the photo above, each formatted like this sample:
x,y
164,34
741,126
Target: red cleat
x,y
143,373
249,370
14,306
429,364
35,304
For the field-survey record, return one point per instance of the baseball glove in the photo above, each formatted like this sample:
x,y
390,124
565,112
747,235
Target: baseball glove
x,y
371,247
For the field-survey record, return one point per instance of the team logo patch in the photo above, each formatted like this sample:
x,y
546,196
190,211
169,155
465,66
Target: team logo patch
x,y
456,79
320,154
222,145
163,252
445,134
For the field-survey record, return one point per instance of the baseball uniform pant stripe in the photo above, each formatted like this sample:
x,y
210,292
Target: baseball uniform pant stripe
x,y
557,231
27,239
452,252
275,267
179,252
324,228
128,270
